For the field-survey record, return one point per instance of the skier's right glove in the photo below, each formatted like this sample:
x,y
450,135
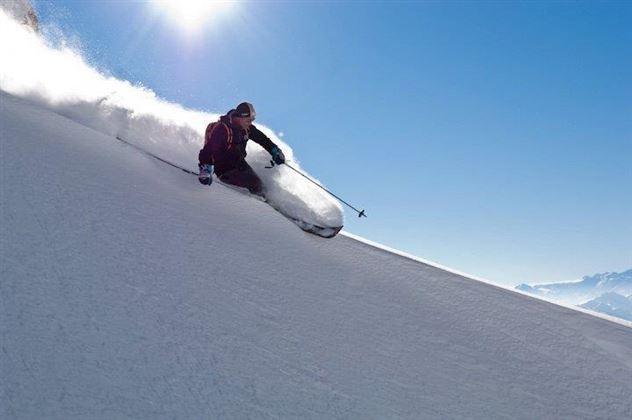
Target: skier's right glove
x,y
277,156
206,174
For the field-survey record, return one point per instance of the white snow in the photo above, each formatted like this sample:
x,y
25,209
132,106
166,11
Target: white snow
x,y
130,291
58,78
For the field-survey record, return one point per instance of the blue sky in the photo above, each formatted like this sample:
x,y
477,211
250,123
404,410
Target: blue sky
x,y
491,137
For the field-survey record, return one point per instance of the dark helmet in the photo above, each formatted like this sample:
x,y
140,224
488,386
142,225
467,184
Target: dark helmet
x,y
244,110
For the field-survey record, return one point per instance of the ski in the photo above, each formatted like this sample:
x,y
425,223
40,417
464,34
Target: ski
x,y
322,231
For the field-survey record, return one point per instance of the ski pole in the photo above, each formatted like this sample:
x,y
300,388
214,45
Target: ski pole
x,y
360,212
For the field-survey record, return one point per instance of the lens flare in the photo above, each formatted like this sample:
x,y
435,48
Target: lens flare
x,y
192,15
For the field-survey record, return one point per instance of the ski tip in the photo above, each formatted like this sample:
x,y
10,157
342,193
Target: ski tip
x,y
323,232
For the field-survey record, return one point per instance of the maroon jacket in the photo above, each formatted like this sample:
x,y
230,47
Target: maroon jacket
x,y
225,144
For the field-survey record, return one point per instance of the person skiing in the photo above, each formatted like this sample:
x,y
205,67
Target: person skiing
x,y
225,149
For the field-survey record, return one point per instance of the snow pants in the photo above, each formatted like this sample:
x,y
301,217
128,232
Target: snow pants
x,y
243,176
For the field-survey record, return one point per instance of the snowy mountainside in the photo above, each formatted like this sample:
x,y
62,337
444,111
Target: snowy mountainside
x,y
22,11
130,291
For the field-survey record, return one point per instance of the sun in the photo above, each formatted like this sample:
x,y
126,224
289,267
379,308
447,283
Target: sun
x,y
192,15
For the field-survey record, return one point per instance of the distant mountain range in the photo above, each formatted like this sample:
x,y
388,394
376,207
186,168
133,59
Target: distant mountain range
x,y
610,293
612,304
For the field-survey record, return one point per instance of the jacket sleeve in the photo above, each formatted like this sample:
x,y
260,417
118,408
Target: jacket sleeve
x,y
262,139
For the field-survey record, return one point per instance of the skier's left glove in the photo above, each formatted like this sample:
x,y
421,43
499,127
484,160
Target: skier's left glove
x,y
206,174
277,156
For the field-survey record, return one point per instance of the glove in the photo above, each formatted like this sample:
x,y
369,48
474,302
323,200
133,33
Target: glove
x,y
277,156
206,174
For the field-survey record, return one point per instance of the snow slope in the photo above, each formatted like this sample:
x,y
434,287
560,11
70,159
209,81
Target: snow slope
x,y
127,290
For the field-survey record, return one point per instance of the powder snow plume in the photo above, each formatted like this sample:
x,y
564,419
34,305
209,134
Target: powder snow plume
x,y
59,78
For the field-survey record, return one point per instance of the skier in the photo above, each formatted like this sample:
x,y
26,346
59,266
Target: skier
x,y
225,150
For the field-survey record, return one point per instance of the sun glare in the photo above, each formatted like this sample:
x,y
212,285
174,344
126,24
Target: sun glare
x,y
192,15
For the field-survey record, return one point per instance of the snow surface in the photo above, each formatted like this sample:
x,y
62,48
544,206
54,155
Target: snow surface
x,y
128,290
59,78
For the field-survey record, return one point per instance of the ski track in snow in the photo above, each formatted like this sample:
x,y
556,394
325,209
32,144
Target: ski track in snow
x,y
130,291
